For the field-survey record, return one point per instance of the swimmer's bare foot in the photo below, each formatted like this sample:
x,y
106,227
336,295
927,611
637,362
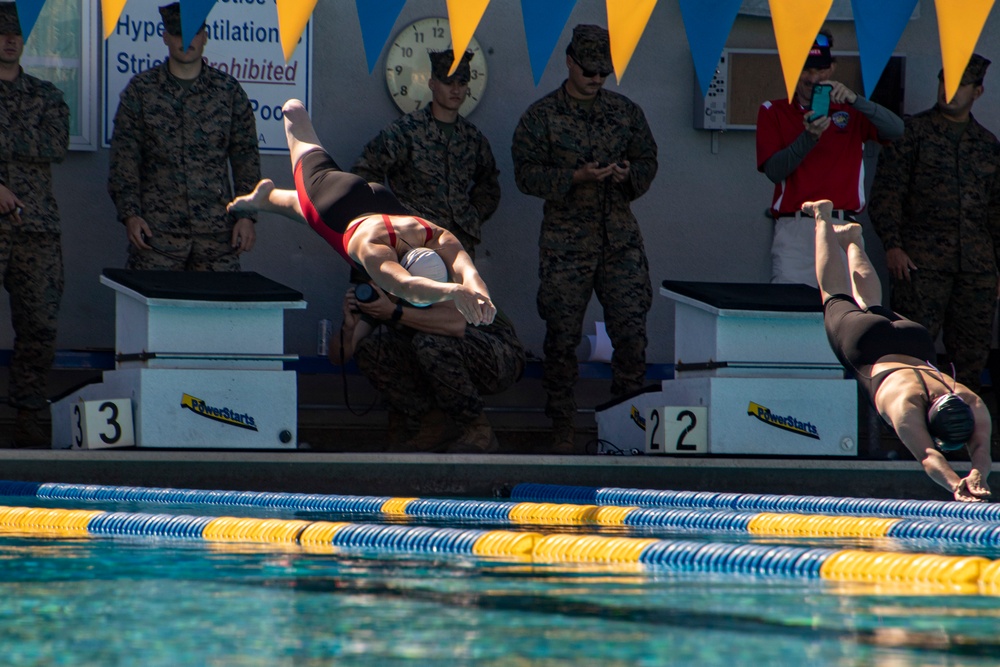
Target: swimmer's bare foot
x,y
255,201
849,233
822,207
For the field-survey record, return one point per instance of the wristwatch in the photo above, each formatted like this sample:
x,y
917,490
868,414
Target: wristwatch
x,y
397,314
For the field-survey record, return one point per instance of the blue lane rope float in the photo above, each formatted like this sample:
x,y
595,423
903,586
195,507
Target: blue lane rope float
x,y
880,507
702,518
921,572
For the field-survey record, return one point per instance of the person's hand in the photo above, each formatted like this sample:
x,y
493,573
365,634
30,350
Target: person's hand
x,y
476,308
137,232
591,172
972,489
620,171
899,264
841,94
10,204
381,308
244,236
822,208
816,127
350,309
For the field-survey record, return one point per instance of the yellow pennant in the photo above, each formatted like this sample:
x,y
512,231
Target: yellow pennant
x,y
796,24
626,21
960,23
111,10
293,15
463,18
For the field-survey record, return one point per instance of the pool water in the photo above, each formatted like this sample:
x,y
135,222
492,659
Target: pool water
x,y
150,602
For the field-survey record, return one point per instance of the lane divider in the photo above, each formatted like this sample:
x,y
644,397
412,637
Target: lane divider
x,y
880,507
979,533
965,574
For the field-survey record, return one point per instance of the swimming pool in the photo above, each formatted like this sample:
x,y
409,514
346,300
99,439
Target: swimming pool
x,y
143,600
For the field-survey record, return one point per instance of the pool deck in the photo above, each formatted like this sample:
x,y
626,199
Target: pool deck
x,y
344,458
448,475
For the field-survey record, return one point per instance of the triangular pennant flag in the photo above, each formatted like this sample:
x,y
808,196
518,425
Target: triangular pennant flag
x,y
293,17
879,25
796,24
626,21
111,10
708,23
463,17
960,22
543,23
193,15
377,18
27,14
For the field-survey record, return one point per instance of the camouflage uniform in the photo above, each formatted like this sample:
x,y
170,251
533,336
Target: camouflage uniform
x,y
936,195
417,372
170,157
590,240
451,181
34,133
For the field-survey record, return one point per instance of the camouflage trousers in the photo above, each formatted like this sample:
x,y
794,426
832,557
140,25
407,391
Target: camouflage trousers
x,y
417,372
32,269
185,252
960,304
620,279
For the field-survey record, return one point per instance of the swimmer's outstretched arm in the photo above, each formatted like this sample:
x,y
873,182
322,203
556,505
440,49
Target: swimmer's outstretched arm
x,y
383,266
269,199
906,414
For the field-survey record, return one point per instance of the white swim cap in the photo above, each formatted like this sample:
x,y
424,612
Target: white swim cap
x,y
425,263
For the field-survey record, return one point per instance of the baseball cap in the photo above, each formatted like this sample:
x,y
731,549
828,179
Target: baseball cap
x,y
9,23
820,56
591,46
441,62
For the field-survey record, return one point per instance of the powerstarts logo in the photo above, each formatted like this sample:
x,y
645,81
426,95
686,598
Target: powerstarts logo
x,y
785,423
224,415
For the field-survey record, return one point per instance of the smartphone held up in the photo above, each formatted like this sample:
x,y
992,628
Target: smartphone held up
x,y
820,105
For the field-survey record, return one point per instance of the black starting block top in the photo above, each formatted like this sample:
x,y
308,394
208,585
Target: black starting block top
x,y
750,296
203,286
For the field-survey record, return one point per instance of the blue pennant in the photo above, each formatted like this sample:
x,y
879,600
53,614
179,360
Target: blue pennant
x,y
708,23
27,13
193,15
878,25
543,23
377,18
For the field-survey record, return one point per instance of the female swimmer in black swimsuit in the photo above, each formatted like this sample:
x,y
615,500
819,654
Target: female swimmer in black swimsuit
x,y
367,225
890,357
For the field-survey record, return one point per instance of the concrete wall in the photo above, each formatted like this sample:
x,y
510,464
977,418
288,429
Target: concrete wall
x,y
702,220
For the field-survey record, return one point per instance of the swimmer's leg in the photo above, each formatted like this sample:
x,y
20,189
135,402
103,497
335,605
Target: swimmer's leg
x,y
299,131
265,197
867,288
831,273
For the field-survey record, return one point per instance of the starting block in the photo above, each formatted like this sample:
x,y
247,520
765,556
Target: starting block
x,y
199,363
753,368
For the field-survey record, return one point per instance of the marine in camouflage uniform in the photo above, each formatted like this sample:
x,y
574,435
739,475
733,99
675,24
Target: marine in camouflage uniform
x,y
588,153
34,133
419,373
173,144
936,207
438,164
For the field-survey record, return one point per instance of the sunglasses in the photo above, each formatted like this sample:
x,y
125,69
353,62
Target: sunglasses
x,y
822,40
590,73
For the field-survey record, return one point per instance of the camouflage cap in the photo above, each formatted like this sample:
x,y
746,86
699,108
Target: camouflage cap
x,y
441,62
975,71
592,47
9,23
171,15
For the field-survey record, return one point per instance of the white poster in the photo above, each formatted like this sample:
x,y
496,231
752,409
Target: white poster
x,y
243,41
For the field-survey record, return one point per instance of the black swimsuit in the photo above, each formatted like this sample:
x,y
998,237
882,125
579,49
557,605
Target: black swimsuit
x,y
860,338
